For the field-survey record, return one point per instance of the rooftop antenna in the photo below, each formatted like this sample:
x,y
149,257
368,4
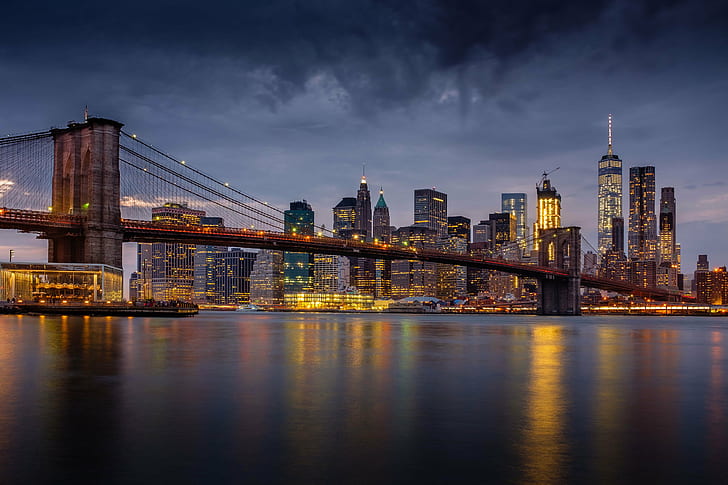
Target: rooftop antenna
x,y
609,131
363,172
85,113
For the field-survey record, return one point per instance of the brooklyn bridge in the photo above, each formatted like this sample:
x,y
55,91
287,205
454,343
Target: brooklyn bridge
x,y
87,188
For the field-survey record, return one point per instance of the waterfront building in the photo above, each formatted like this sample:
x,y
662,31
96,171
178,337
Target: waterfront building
x,y
231,276
412,277
452,280
610,193
642,239
59,282
548,209
328,301
298,267
331,273
204,275
712,286
458,226
516,204
431,210
702,267
143,279
266,279
167,269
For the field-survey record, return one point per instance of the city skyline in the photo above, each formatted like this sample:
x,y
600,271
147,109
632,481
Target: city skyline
x,y
468,118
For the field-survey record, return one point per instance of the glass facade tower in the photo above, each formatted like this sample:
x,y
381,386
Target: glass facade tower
x,y
610,194
515,204
642,238
431,210
298,267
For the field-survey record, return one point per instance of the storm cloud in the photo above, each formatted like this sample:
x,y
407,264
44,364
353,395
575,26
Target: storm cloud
x,y
289,97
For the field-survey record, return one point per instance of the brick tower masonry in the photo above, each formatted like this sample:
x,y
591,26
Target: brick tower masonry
x,y
86,184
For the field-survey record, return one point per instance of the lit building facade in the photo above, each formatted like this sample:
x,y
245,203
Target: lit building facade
x,y
166,271
59,282
345,217
458,226
503,228
667,243
412,277
452,281
298,267
330,273
204,276
431,210
610,194
642,238
712,286
548,209
266,279
516,205
328,301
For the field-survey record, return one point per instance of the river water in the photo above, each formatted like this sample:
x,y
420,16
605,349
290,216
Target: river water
x,y
371,398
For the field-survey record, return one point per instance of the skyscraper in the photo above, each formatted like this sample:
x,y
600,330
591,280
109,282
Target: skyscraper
x,y
167,269
431,210
363,215
205,265
298,267
642,238
668,245
548,209
515,203
266,278
610,193
362,269
382,232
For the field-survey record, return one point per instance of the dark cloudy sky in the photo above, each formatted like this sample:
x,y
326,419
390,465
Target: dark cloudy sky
x,y
286,99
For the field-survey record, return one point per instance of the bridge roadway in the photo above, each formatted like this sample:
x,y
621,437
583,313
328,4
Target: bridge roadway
x,y
147,231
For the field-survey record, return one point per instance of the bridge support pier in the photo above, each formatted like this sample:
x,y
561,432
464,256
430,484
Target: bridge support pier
x,y
560,248
86,183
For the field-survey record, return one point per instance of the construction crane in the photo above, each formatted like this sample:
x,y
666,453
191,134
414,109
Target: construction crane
x,y
544,176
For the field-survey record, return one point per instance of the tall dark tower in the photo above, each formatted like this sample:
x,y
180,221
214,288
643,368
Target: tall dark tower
x,y
667,243
642,237
382,232
363,217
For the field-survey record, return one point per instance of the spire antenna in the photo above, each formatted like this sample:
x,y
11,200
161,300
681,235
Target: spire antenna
x,y
609,135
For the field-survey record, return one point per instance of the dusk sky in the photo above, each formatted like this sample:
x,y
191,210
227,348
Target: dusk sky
x,y
287,99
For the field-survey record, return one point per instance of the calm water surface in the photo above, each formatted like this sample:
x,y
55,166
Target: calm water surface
x,y
327,398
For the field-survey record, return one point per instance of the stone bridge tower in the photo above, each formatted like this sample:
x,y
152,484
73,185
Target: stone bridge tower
x,y
86,183
560,248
